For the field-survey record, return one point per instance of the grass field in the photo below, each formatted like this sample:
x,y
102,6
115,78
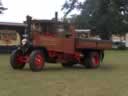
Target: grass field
x,y
111,79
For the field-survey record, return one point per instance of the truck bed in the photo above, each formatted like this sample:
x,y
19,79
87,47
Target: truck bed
x,y
68,45
93,44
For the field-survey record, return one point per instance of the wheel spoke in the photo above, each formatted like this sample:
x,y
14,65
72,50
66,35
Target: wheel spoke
x,y
19,59
95,59
39,60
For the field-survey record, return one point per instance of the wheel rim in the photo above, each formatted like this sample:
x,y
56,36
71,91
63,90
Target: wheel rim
x,y
19,59
39,60
95,60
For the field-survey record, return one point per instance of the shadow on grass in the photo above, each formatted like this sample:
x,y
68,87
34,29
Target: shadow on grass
x,y
105,67
56,69
63,69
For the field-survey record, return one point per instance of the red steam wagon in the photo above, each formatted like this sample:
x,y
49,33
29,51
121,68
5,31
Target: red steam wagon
x,y
53,41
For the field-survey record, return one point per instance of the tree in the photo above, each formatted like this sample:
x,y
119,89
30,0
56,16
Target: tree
x,y
105,16
71,5
2,8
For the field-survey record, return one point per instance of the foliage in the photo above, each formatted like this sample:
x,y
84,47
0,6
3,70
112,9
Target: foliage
x,y
70,5
2,8
105,16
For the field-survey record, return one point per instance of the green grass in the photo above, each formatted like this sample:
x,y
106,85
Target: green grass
x,y
111,79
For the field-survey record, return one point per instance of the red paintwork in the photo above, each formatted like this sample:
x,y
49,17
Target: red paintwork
x,y
52,53
68,45
64,48
104,44
57,44
94,44
95,59
77,56
20,59
62,57
39,60
48,34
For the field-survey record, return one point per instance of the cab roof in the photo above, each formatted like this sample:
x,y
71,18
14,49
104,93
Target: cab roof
x,y
12,24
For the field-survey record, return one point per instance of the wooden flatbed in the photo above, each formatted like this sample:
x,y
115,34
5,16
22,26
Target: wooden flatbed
x,y
69,45
93,44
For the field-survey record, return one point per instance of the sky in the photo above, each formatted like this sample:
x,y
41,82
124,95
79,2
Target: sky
x,y
38,9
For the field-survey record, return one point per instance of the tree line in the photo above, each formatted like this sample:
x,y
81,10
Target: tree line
x,y
2,8
105,17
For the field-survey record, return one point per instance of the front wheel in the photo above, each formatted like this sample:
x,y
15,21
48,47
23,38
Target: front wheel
x,y
37,60
92,60
16,59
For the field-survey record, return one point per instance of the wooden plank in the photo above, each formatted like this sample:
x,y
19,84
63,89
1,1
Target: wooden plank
x,y
85,44
68,45
93,44
55,44
104,44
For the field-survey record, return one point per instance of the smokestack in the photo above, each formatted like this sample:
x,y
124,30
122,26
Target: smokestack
x,y
56,16
28,29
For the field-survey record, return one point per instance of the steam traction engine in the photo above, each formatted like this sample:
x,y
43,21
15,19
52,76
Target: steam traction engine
x,y
53,41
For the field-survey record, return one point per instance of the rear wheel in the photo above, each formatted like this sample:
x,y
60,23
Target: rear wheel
x,y
92,60
16,59
37,60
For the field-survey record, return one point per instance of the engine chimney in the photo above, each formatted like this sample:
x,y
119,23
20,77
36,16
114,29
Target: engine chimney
x,y
56,16
28,29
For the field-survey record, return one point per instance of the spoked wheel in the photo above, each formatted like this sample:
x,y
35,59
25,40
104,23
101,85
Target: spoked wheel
x,y
37,60
17,59
92,60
